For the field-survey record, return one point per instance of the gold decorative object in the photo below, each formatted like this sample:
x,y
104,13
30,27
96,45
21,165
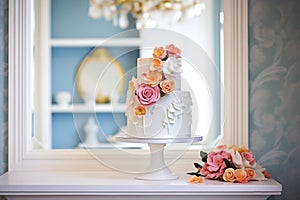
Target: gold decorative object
x,y
100,77
148,13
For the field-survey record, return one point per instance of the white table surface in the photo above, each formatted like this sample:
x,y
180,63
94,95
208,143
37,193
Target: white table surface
x,y
105,183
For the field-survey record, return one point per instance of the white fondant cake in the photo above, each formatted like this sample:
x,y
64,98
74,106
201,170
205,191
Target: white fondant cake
x,y
156,106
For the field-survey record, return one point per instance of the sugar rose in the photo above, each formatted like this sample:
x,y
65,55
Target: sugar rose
x,y
156,64
172,50
215,165
147,95
152,78
250,173
167,86
133,84
248,156
229,175
140,110
159,52
241,176
196,179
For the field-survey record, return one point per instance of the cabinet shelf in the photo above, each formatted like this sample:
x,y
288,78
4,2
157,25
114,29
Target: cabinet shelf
x,y
83,108
84,42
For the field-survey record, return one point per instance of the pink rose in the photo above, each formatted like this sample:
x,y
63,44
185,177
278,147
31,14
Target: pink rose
x,y
147,95
215,165
172,50
205,171
248,156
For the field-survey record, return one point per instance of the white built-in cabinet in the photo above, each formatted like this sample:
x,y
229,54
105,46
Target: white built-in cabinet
x,y
44,107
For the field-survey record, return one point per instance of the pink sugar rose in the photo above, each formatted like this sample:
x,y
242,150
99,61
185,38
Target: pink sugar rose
x,y
248,156
147,95
172,50
215,165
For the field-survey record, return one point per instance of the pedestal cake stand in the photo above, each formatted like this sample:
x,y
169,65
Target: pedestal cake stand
x,y
157,169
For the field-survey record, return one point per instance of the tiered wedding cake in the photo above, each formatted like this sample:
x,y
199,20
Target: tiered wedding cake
x,y
156,106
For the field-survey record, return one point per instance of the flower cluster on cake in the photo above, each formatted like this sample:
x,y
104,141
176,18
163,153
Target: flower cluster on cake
x,y
230,164
158,80
156,106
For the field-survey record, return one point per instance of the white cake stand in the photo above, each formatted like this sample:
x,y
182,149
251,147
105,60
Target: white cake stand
x,y
157,169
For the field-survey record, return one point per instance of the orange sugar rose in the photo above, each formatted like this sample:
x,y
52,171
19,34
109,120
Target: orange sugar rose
x,y
159,52
196,179
156,64
241,176
140,111
242,149
229,175
238,149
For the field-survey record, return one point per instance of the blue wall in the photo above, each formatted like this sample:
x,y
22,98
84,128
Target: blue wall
x,y
274,89
3,84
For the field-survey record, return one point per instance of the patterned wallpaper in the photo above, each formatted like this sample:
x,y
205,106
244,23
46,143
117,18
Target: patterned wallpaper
x,y
274,89
3,85
274,93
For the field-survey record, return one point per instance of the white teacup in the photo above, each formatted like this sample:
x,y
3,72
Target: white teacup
x,y
63,98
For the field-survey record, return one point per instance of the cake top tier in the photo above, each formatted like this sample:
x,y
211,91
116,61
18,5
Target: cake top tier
x,y
165,60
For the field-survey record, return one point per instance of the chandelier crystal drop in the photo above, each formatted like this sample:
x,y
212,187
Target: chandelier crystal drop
x,y
148,13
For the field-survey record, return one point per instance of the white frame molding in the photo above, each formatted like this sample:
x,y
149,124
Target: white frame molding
x,y
236,72
21,155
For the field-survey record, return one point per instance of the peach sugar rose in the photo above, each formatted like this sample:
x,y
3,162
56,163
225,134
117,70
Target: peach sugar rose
x,y
241,176
196,179
167,86
229,175
152,78
250,173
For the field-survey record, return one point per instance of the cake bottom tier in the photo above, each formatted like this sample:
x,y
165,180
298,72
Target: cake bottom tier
x,y
170,117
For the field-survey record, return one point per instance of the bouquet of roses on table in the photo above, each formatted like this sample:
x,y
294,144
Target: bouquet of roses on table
x,y
230,164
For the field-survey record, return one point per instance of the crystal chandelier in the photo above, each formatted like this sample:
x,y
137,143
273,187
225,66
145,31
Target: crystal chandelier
x,y
148,13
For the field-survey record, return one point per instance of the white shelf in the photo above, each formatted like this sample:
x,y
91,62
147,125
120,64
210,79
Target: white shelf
x,y
83,108
78,42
